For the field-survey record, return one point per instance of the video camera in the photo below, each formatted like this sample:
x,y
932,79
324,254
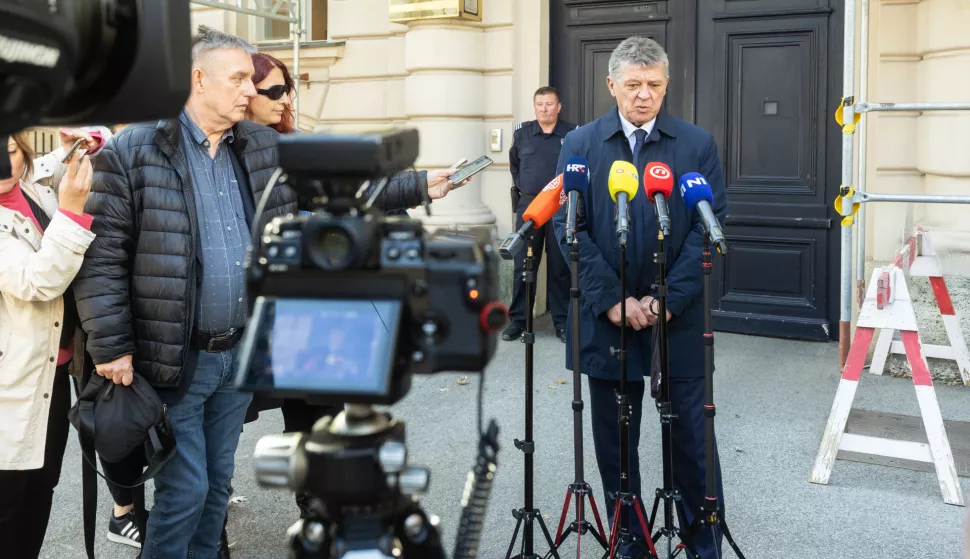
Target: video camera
x,y
346,303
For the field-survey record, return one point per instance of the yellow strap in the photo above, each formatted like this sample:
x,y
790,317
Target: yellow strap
x,y
850,128
849,219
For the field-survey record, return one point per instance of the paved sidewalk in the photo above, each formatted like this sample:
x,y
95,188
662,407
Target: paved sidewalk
x,y
773,398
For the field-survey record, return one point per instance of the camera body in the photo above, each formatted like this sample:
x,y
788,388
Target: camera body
x,y
347,303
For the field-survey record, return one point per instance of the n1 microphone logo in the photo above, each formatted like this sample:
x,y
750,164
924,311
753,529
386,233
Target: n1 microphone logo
x,y
576,168
692,182
660,172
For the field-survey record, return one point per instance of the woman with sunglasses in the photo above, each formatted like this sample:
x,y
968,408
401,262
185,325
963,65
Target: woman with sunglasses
x,y
273,104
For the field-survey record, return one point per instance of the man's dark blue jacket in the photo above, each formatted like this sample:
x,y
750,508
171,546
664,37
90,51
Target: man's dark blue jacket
x,y
684,148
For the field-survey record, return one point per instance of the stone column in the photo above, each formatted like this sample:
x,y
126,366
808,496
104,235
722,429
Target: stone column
x,y
444,99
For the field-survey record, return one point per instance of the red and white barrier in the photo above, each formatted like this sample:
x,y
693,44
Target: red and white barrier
x,y
918,259
888,307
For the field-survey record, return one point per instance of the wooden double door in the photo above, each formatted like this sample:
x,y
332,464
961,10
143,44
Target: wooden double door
x,y
765,77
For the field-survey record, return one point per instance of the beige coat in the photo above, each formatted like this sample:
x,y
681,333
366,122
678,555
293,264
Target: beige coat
x,y
35,270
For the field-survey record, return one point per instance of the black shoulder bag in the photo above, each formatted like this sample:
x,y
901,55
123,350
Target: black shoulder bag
x,y
112,421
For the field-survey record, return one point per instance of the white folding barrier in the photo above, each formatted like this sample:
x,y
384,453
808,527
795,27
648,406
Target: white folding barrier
x,y
888,307
918,259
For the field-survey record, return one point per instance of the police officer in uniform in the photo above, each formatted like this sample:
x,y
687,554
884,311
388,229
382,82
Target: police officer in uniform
x,y
532,159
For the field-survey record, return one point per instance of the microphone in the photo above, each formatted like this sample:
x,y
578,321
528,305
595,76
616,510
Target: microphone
x,y
623,183
540,211
575,183
658,181
697,194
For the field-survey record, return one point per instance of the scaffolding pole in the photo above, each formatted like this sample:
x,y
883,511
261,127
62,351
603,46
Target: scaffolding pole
x,y
296,31
860,253
848,129
852,197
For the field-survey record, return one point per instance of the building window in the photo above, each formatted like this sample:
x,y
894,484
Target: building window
x,y
270,31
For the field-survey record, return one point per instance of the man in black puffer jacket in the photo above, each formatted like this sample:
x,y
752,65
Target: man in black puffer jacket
x,y
161,290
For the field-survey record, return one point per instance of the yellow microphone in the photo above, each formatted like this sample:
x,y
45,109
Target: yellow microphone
x,y
623,183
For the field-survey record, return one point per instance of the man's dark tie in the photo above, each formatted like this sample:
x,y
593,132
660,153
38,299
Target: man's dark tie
x,y
641,135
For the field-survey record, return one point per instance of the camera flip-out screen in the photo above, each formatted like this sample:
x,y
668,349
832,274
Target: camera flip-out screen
x,y
320,347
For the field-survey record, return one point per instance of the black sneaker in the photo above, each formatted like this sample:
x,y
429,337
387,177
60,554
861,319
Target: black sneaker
x,y
512,332
124,530
561,334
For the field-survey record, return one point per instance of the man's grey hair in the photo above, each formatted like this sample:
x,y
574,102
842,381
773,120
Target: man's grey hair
x,y
208,40
639,51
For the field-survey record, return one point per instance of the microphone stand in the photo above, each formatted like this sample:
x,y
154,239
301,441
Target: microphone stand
x,y
709,511
620,534
579,488
528,514
670,495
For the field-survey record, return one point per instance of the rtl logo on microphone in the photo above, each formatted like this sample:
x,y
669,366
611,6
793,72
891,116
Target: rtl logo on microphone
x,y
576,168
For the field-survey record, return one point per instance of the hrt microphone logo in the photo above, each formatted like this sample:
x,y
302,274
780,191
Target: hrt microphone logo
x,y
576,168
659,171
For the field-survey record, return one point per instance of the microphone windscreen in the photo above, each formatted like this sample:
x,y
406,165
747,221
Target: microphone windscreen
x,y
546,203
575,176
657,178
694,188
623,178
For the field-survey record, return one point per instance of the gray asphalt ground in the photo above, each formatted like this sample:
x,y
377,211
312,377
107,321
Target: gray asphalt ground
x,y
773,397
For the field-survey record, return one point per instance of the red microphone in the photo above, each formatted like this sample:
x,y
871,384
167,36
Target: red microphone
x,y
540,211
658,181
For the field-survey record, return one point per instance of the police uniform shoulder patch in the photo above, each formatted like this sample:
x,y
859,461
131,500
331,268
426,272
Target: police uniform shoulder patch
x,y
519,126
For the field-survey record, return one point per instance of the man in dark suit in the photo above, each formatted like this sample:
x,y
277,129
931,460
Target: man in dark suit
x,y
639,131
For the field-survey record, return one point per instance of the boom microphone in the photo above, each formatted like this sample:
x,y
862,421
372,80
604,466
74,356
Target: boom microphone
x,y
658,181
575,183
623,183
697,194
540,211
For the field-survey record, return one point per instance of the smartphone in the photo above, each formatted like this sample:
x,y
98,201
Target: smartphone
x,y
471,169
461,163
70,152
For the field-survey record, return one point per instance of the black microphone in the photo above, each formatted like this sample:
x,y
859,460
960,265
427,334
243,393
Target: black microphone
x,y
575,183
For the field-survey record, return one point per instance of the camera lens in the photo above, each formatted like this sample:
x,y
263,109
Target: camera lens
x,y
333,249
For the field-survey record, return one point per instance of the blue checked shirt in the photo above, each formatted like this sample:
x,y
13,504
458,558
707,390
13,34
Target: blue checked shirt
x,y
220,304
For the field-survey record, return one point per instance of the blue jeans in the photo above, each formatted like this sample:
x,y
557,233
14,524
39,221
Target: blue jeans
x,y
192,489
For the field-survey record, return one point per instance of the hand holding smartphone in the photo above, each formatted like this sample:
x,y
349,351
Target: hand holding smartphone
x,y
469,170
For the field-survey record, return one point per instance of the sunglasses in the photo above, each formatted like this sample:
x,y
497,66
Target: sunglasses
x,y
274,93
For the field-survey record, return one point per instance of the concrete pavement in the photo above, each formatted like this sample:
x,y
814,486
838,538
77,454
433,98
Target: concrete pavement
x,y
773,397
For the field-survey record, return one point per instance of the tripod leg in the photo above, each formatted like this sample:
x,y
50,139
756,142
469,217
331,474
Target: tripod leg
x,y
728,537
545,531
615,528
562,518
596,515
515,535
643,526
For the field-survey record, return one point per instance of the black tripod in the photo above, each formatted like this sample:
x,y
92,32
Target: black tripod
x,y
620,534
668,493
579,488
708,516
528,514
